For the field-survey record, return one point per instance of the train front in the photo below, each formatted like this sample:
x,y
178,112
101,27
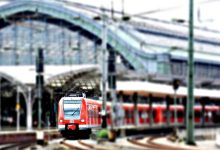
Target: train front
x,y
70,115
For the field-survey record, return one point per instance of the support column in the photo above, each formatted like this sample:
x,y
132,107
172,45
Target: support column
x,y
0,103
79,47
190,99
150,109
116,115
168,110
54,112
31,42
104,70
175,110
185,109
202,101
1,46
176,84
46,41
95,53
39,83
18,109
135,101
29,110
1,40
63,45
16,56
69,50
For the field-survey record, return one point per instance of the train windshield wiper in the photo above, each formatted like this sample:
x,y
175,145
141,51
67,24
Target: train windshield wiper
x,y
75,111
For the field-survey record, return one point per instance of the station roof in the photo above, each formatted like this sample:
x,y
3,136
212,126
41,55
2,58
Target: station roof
x,y
155,89
27,74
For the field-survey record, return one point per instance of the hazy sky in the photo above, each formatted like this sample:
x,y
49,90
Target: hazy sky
x,y
205,11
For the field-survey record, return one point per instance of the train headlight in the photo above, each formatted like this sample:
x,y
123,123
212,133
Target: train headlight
x,y
61,121
82,120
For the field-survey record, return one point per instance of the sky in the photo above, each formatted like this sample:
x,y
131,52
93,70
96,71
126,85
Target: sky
x,y
205,11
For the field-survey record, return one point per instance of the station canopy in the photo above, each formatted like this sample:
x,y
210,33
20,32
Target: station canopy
x,y
55,76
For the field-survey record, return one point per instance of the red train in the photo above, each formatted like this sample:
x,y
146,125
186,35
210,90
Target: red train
x,y
79,114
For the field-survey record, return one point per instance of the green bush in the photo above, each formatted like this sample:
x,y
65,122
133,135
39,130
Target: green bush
x,y
102,134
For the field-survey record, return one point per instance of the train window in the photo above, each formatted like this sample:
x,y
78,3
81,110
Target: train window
x,y
139,113
131,114
143,115
158,100
165,114
197,114
180,114
99,111
210,114
171,113
143,99
71,109
154,113
216,117
127,99
126,113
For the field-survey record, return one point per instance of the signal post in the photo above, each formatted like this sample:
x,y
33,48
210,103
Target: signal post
x,y
39,82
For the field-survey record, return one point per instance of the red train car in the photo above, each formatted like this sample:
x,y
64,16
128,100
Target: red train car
x,y
80,114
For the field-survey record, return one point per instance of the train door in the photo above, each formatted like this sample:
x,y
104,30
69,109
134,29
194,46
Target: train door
x,y
126,117
99,115
142,116
90,114
180,116
108,115
96,115
158,115
145,116
140,119
172,116
209,116
216,116
197,116
130,117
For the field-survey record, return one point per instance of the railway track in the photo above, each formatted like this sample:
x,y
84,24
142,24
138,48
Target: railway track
x,y
71,146
149,145
83,146
152,145
139,143
15,146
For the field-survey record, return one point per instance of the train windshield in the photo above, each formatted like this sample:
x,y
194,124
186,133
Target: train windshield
x,y
72,109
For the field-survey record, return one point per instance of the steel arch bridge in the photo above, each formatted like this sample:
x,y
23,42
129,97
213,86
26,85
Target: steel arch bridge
x,y
91,28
